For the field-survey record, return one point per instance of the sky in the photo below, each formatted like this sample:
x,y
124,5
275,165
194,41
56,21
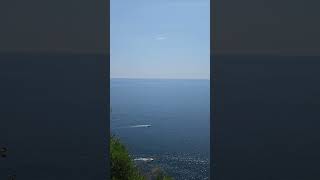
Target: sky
x,y
165,39
158,29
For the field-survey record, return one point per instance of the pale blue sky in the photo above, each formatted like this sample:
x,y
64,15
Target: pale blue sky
x,y
167,39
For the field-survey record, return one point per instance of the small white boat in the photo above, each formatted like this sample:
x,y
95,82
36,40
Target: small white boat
x,y
144,159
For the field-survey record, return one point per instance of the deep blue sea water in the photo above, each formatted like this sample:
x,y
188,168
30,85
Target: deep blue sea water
x,y
268,127
179,114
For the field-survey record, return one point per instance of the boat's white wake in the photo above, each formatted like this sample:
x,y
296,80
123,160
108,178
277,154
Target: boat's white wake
x,y
144,159
135,126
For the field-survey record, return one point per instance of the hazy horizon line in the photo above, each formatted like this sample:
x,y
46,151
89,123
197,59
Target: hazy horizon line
x,y
160,78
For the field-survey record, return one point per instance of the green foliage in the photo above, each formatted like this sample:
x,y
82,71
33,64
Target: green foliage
x,y
122,166
167,178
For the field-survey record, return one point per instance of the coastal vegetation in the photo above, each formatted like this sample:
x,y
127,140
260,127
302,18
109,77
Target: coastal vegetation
x,y
123,167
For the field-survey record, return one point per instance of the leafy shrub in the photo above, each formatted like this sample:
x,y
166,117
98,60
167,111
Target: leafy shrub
x,y
123,167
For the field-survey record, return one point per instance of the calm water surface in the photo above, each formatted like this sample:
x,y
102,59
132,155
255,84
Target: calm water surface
x,y
178,114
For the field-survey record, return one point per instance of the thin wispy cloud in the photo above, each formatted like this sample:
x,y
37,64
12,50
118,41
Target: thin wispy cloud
x,y
161,37
174,44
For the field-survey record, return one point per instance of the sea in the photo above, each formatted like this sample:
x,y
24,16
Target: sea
x,y
54,123
167,120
